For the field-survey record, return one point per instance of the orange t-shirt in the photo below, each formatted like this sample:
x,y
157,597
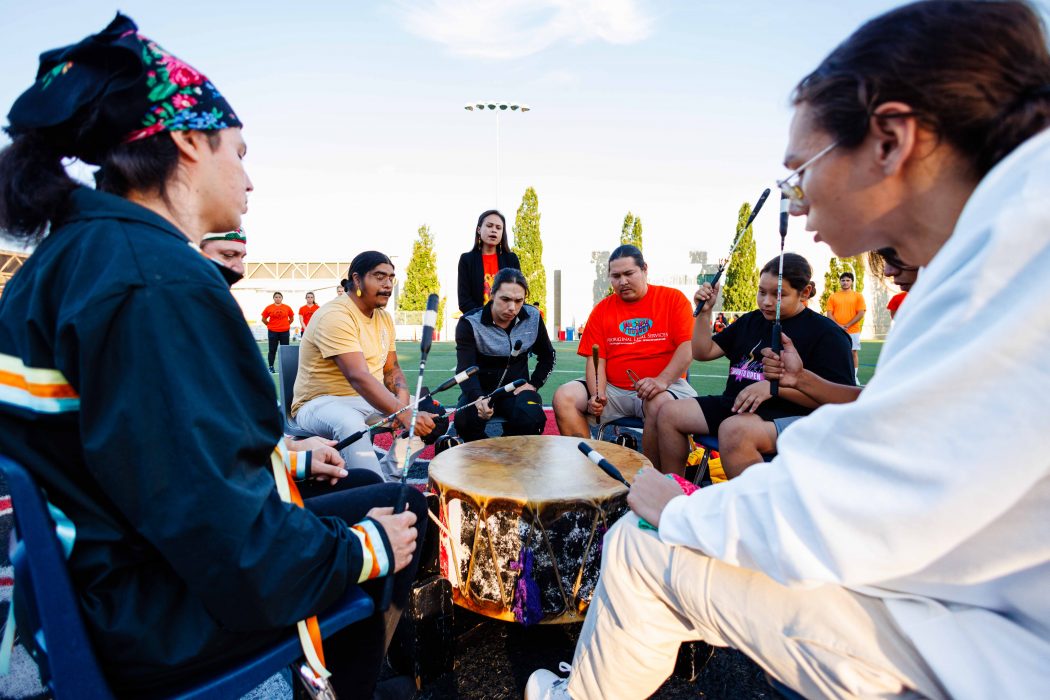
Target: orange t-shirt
x,y
490,263
305,312
278,317
843,305
641,336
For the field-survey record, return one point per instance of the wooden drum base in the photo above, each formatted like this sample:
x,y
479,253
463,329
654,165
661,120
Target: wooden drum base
x,y
523,519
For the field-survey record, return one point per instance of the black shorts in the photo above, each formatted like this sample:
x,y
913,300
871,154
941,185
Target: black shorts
x,y
718,407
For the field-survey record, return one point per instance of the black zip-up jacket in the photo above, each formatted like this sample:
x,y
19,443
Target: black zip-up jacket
x,y
471,280
146,413
481,342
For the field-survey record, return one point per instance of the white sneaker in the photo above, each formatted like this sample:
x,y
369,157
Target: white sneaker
x,y
545,685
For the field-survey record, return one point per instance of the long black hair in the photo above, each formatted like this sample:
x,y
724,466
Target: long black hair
x,y
975,73
502,246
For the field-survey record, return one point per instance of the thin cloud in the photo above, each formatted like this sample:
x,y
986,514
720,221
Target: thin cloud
x,y
505,29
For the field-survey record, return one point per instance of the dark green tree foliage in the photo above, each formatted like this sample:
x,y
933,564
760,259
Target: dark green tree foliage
x,y
421,278
631,232
740,292
859,263
529,248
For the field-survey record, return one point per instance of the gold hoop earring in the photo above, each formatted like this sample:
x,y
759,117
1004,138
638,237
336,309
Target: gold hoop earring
x,y
358,292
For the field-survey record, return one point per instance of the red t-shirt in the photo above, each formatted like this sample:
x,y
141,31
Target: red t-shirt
x,y
895,301
641,336
278,317
490,263
305,312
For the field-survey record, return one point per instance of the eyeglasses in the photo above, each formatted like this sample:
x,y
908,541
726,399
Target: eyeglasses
x,y
794,192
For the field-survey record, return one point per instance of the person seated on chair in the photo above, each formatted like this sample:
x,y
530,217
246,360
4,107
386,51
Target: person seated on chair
x,y
478,266
186,557
642,332
824,346
348,368
744,438
498,338
228,250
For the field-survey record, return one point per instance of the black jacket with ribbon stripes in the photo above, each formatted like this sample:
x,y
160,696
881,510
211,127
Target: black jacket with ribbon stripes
x,y
134,392
481,342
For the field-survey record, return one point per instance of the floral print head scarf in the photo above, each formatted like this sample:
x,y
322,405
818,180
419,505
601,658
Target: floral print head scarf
x,y
115,87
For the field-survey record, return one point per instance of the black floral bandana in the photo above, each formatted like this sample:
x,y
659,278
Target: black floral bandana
x,y
114,87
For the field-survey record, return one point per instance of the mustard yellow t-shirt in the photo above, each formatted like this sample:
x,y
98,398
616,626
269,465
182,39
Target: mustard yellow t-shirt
x,y
339,327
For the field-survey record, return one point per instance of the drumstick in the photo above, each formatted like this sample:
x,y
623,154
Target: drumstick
x,y
429,320
505,389
447,384
775,343
594,360
603,464
736,241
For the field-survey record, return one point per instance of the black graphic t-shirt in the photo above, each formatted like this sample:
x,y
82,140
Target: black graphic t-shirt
x,y
824,347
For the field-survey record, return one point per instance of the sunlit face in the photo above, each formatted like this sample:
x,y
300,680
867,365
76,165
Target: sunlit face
x,y
339,291
225,183
792,302
278,298
507,301
628,280
845,283
229,254
846,202
309,298
376,286
491,230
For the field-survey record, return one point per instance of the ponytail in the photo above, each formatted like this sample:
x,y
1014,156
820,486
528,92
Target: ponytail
x,y
34,188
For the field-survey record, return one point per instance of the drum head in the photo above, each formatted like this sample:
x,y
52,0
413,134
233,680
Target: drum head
x,y
533,469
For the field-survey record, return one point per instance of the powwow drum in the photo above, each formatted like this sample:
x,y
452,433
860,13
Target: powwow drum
x,y
522,523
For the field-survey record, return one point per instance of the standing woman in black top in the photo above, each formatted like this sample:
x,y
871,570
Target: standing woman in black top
x,y
475,277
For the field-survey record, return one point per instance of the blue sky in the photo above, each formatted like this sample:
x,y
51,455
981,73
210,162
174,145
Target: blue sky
x,y
357,134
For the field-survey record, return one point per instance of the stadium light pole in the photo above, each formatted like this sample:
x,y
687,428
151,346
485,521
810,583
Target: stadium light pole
x,y
497,107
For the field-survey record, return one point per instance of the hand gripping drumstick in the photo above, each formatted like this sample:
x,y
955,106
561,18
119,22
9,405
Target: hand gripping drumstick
x,y
429,320
498,391
736,242
603,464
447,384
775,342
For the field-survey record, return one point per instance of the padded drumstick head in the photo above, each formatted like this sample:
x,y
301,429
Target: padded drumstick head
x,y
603,464
594,358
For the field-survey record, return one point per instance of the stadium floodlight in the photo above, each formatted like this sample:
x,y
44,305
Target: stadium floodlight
x,y
497,107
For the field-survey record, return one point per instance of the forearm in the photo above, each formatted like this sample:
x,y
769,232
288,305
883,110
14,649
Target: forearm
x,y
677,366
822,391
797,397
855,319
703,346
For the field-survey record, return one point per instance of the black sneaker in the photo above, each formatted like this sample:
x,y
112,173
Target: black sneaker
x,y
273,371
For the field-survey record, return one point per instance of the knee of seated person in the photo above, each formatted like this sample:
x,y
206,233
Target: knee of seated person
x,y
565,398
737,431
619,542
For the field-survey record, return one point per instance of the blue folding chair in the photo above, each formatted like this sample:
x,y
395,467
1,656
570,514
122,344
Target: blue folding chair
x,y
60,644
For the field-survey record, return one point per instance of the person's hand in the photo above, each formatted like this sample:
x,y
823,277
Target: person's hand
x,y
786,367
326,464
596,404
751,397
650,493
424,422
310,443
400,530
524,387
706,294
649,388
485,410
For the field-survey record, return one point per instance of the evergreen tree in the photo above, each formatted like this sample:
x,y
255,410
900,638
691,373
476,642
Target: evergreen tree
x,y
858,263
741,281
441,315
831,283
421,279
631,232
529,248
